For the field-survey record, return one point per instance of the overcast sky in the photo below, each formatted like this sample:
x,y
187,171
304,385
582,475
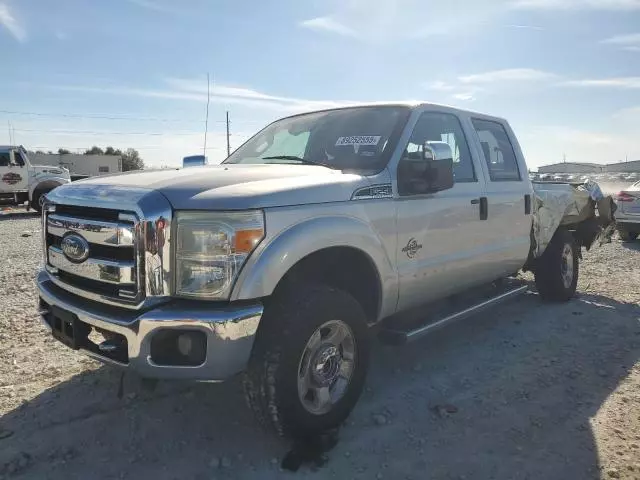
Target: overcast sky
x,y
132,73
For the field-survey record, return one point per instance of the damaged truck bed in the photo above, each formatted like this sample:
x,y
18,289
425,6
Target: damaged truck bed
x,y
581,208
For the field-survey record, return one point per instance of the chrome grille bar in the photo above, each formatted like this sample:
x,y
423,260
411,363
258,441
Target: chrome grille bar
x,y
128,232
103,270
98,232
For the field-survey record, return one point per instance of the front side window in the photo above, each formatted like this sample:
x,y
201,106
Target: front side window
x,y
358,138
17,157
443,127
498,151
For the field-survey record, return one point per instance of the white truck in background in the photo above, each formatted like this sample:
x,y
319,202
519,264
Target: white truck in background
x,y
21,181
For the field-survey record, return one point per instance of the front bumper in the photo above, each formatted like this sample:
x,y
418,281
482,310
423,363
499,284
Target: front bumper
x,y
229,330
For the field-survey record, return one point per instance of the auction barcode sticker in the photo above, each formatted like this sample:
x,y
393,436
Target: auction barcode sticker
x,y
358,140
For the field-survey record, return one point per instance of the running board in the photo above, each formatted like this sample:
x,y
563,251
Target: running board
x,y
400,337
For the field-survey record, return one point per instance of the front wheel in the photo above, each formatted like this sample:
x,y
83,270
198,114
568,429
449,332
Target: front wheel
x,y
37,200
556,271
310,360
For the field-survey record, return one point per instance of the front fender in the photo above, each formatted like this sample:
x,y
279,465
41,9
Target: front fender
x,y
48,183
274,258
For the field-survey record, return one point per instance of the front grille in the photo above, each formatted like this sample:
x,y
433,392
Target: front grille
x,y
107,214
110,271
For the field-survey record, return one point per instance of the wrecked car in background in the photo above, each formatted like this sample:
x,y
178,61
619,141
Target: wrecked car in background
x,y
276,263
628,213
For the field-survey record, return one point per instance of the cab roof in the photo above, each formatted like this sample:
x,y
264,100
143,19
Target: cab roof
x,y
413,104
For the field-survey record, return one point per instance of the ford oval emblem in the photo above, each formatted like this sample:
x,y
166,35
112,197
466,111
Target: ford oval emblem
x,y
75,248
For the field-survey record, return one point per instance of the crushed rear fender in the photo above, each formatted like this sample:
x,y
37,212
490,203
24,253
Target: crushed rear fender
x,y
581,208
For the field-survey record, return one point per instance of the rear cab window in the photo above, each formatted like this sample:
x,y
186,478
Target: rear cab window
x,y
498,151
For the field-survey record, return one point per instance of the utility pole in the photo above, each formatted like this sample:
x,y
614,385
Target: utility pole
x,y
9,129
206,120
228,135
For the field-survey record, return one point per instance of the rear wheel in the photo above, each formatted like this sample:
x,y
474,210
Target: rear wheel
x,y
310,360
556,272
627,235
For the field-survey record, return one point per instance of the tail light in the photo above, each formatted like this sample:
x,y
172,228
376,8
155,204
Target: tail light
x,y
624,197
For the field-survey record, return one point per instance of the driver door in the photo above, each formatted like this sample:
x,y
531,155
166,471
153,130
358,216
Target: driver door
x,y
13,175
440,244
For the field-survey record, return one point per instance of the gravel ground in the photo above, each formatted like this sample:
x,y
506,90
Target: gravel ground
x,y
524,391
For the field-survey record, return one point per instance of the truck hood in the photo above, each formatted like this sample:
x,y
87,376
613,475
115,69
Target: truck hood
x,y
236,187
49,170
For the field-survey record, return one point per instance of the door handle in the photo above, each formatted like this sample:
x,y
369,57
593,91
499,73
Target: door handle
x,y
527,204
484,207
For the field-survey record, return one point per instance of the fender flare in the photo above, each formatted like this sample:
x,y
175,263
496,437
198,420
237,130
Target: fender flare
x,y
268,264
48,183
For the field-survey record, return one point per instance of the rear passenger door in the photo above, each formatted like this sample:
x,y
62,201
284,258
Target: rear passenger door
x,y
508,191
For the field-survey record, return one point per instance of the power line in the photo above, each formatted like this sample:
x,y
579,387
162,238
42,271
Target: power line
x,y
99,116
228,135
93,132
138,147
206,120
118,117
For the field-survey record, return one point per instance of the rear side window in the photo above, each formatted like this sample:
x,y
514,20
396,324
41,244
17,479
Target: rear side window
x,y
5,159
498,151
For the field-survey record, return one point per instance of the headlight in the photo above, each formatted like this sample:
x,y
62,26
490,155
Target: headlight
x,y
211,249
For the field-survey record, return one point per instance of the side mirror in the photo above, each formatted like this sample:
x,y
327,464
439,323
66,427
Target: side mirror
x,y
432,172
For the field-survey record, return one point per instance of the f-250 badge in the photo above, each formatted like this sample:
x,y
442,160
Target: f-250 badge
x,y
412,248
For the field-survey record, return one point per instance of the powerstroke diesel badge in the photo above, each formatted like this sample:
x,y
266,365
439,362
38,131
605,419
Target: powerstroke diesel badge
x,y
412,248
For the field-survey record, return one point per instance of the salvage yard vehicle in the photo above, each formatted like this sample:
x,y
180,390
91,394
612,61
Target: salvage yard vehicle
x,y
628,212
277,263
21,182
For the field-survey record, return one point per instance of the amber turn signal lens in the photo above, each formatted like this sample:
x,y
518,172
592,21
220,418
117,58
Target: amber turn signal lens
x,y
246,240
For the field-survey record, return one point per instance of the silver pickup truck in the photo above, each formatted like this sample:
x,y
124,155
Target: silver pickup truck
x,y
319,231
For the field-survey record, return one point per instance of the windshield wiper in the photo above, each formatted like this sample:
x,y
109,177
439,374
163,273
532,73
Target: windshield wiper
x,y
299,159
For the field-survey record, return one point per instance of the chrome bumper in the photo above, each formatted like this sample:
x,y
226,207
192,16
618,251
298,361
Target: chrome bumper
x,y
229,331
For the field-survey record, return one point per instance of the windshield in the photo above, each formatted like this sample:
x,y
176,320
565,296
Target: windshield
x,y
359,138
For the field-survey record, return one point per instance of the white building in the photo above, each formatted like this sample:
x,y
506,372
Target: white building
x,y
90,165
624,167
572,167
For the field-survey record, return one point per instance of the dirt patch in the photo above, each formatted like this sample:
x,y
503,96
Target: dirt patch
x,y
526,390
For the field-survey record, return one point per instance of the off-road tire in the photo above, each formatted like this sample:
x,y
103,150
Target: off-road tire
x,y
270,382
627,235
548,269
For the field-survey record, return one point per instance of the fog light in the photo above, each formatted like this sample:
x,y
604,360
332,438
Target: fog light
x,y
185,344
179,347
